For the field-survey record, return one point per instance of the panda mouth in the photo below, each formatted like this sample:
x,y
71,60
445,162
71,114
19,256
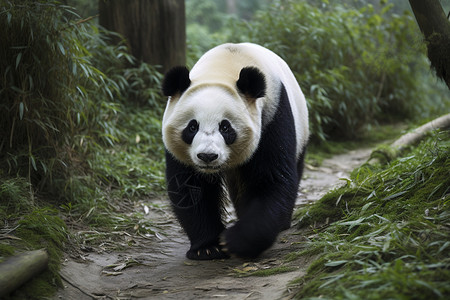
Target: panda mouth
x,y
209,168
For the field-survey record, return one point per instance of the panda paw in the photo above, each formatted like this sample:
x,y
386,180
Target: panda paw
x,y
241,242
233,243
207,253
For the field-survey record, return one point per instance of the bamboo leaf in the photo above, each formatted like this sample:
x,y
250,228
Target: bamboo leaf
x,y
8,17
336,263
18,58
21,110
429,286
394,195
61,48
33,163
366,206
333,279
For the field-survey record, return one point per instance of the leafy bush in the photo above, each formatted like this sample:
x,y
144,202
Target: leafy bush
x,y
64,88
356,67
132,164
387,235
46,111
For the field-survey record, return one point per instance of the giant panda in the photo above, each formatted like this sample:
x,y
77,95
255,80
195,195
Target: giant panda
x,y
235,127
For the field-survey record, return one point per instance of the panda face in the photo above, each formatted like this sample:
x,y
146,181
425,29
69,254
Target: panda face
x,y
210,142
226,130
209,129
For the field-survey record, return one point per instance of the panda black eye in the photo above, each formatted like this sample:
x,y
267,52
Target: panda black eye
x,y
193,126
224,126
188,133
228,132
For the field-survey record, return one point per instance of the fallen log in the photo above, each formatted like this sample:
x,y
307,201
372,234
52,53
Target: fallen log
x,y
17,270
419,133
392,151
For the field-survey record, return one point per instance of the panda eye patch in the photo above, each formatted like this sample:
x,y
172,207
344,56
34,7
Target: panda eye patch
x,y
189,132
227,131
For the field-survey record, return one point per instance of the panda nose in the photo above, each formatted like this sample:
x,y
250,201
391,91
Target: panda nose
x,y
207,157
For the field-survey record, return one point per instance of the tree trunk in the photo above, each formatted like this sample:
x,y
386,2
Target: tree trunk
x,y
436,28
18,269
154,30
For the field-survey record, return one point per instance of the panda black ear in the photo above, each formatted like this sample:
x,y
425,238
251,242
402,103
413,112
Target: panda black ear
x,y
251,82
176,81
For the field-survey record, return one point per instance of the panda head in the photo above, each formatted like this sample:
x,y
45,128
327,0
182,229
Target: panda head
x,y
212,126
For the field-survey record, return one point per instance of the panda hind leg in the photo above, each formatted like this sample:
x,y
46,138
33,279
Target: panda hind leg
x,y
255,231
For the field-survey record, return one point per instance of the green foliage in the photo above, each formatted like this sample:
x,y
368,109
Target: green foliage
x,y
31,123
16,196
79,126
35,228
388,235
65,89
204,26
357,67
48,111
135,165
42,228
204,13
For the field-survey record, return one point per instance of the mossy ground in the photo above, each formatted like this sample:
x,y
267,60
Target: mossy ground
x,y
120,174
385,234
27,227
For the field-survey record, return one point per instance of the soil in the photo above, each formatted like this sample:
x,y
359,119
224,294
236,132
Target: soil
x,y
156,267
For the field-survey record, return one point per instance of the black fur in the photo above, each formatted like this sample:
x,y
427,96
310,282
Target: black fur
x,y
263,191
176,81
197,202
189,132
228,132
270,185
251,82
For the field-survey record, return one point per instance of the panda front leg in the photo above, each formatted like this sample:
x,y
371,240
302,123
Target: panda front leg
x,y
264,200
197,203
261,219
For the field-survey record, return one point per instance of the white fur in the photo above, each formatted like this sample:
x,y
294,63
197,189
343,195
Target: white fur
x,y
212,97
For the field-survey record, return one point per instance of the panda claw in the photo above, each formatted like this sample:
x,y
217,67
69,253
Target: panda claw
x,y
208,252
217,249
198,253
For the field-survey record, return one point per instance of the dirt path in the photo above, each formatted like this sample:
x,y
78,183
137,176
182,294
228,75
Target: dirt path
x,y
156,268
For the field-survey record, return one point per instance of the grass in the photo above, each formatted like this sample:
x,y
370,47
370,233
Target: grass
x,y
248,269
135,164
387,235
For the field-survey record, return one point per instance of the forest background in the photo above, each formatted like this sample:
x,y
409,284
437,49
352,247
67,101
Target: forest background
x,y
81,117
